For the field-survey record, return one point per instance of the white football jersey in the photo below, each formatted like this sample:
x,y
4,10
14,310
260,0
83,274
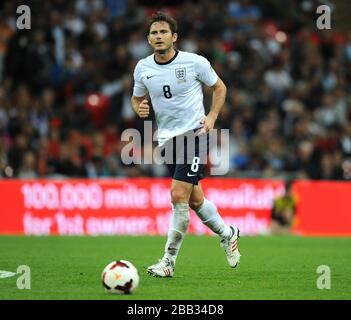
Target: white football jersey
x,y
175,89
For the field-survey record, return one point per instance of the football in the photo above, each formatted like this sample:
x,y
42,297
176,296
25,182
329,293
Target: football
x,y
120,277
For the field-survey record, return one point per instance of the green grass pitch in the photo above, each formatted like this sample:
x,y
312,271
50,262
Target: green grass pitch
x,y
272,267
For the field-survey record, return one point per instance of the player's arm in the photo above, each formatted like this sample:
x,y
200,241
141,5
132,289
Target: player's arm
x,y
139,102
140,106
218,99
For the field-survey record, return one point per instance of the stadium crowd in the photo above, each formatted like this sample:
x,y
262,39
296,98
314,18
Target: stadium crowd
x,y
65,86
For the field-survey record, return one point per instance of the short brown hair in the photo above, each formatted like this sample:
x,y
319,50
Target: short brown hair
x,y
160,16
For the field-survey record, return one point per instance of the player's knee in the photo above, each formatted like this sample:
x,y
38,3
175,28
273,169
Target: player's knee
x,y
195,204
179,195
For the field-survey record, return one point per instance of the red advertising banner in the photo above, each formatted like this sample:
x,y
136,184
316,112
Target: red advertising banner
x,y
142,206
126,206
324,208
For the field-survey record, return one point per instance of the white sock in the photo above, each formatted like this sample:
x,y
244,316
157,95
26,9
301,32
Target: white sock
x,y
209,215
178,227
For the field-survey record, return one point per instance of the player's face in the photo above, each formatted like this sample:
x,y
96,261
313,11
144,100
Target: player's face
x,y
160,37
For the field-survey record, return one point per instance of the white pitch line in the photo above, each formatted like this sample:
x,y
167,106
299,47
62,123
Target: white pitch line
x,y
6,274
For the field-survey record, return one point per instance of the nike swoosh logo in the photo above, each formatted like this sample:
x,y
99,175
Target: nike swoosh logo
x,y
148,77
191,175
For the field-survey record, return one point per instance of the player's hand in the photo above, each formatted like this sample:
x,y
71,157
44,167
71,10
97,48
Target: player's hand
x,y
208,123
144,109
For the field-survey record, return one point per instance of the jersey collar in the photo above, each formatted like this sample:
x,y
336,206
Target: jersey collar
x,y
169,61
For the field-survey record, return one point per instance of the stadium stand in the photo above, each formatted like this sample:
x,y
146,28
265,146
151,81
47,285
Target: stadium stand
x,y
65,86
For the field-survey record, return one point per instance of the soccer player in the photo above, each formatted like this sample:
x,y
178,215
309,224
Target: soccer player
x,y
173,80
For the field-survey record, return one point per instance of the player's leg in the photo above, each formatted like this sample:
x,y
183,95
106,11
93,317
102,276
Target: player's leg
x,y
277,228
180,194
280,225
208,213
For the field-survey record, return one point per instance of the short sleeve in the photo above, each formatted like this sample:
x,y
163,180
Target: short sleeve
x,y
139,89
204,71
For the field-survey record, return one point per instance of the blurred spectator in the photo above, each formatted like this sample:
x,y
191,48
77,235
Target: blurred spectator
x,y
345,141
328,115
308,161
278,79
16,152
28,168
244,14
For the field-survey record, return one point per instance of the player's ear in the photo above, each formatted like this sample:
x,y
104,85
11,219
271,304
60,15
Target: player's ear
x,y
175,37
148,39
